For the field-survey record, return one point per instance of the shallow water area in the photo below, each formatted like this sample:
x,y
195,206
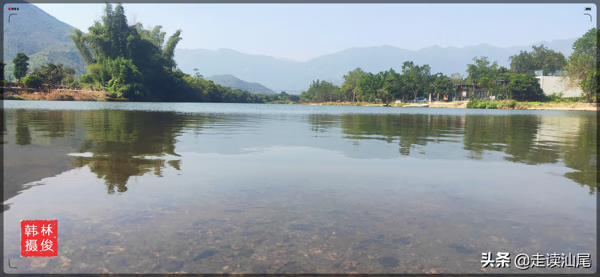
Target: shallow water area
x,y
250,188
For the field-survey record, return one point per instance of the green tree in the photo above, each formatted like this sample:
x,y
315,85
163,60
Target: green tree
x,y
321,91
32,81
126,78
442,84
55,75
525,87
540,58
481,68
484,82
21,64
392,86
369,84
582,67
350,86
416,78
86,79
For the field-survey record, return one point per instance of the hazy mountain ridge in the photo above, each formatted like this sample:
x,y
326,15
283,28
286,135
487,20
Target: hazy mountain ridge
x,y
293,77
235,83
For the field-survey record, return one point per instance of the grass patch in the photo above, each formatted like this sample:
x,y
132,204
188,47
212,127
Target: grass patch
x,y
492,105
280,102
488,104
557,98
512,104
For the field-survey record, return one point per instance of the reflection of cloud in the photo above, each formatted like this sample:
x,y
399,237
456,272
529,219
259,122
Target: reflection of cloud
x,y
142,157
86,154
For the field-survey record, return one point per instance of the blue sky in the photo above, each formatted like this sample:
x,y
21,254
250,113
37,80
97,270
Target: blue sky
x,y
305,31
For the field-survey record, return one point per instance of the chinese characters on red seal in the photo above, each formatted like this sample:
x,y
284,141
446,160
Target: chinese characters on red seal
x,y
39,238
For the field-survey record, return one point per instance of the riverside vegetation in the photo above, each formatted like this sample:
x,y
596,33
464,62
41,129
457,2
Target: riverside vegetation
x,y
137,63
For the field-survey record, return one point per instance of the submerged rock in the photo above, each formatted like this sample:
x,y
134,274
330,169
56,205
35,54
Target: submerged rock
x,y
402,240
461,248
388,261
205,254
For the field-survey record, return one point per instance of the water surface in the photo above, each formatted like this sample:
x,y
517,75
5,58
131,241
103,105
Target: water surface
x,y
249,188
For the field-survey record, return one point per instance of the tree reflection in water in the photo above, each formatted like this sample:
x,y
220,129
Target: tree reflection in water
x,y
129,143
119,144
527,139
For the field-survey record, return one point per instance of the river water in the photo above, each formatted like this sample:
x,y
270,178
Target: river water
x,y
251,188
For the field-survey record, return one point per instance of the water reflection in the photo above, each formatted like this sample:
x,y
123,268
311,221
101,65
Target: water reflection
x,y
119,144
580,153
35,146
125,143
354,192
49,124
408,130
22,134
522,138
322,122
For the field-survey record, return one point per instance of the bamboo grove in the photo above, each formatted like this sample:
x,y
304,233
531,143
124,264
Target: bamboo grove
x,y
133,62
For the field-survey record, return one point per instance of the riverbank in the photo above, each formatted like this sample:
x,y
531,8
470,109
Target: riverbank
x,y
54,95
94,95
463,105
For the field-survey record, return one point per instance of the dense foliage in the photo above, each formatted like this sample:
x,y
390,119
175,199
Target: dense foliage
x,y
541,58
385,86
21,65
582,65
32,81
137,63
322,91
417,81
525,87
55,75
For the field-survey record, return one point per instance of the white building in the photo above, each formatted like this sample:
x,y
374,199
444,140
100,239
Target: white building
x,y
556,84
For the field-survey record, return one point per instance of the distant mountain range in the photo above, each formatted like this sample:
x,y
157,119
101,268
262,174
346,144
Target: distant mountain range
x,y
293,76
40,36
45,39
235,83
